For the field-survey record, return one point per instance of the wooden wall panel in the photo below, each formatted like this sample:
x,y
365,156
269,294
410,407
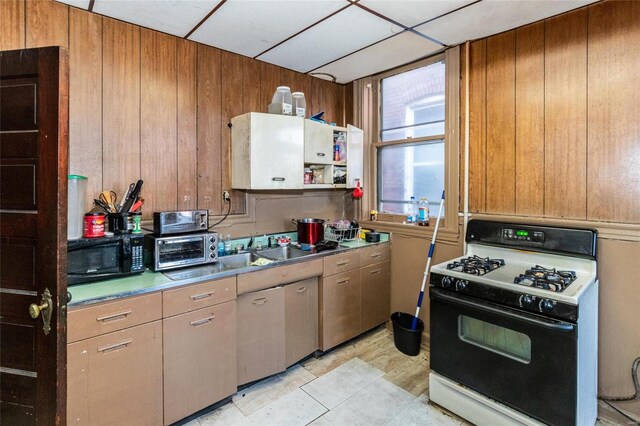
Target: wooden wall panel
x,y
347,94
85,99
529,156
478,126
47,23
209,121
613,180
12,24
566,115
121,105
501,115
271,77
158,124
252,81
187,126
232,105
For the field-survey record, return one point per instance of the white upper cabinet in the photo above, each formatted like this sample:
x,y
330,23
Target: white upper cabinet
x,y
355,152
267,151
318,143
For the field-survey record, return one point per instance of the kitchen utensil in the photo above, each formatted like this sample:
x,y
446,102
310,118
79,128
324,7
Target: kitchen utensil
x,y
310,230
131,199
357,191
372,237
101,205
109,198
127,194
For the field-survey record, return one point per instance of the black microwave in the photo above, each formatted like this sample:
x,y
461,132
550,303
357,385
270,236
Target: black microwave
x,y
95,259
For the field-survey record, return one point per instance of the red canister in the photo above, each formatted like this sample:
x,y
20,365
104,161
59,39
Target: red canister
x,y
94,225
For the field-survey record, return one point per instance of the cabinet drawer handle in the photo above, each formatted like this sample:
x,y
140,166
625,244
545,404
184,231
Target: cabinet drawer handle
x,y
277,179
346,280
373,256
202,295
377,271
203,321
343,263
115,347
320,154
301,290
260,301
114,317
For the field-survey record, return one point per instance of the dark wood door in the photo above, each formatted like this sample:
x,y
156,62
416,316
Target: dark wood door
x,y
33,228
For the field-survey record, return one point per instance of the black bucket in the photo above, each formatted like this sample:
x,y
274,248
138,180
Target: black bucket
x,y
407,340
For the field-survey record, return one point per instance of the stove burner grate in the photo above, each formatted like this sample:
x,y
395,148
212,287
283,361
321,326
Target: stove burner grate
x,y
546,278
475,265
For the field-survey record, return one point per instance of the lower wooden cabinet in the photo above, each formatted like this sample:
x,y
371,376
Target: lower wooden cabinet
x,y
301,319
340,307
116,378
260,334
375,295
199,359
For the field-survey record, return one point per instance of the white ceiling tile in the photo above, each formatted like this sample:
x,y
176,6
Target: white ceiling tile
x,y
176,17
413,12
250,27
82,4
493,16
343,33
390,53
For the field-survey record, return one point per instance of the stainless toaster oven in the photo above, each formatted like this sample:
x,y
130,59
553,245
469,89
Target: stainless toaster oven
x,y
169,252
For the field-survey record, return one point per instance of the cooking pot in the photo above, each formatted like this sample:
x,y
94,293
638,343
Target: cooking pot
x,y
310,231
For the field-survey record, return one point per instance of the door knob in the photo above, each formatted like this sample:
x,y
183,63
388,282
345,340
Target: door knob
x,y
46,308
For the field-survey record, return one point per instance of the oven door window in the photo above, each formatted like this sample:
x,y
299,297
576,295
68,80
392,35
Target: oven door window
x,y
101,259
180,251
494,338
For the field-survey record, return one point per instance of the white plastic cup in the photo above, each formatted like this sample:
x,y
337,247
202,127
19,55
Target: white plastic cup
x,y
76,200
282,96
299,104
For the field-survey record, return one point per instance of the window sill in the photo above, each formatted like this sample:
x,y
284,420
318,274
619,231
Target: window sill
x,y
444,234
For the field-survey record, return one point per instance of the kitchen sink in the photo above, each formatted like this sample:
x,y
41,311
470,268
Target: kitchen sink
x,y
240,260
283,253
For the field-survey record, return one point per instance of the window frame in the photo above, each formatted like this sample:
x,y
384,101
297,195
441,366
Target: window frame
x,y
451,58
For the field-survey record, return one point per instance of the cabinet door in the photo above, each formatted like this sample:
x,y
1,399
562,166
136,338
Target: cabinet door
x,y
355,152
375,294
340,308
260,334
120,375
199,360
318,143
301,319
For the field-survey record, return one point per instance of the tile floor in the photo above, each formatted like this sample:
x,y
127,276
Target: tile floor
x,y
365,382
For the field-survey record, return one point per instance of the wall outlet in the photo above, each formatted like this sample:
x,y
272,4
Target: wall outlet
x,y
225,196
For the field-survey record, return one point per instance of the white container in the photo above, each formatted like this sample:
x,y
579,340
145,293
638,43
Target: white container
x,y
76,200
299,104
281,101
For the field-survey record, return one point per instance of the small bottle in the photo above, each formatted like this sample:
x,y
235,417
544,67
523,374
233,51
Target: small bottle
x,y
220,249
423,211
413,210
227,244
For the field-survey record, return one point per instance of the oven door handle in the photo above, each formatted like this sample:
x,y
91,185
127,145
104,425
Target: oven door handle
x,y
551,325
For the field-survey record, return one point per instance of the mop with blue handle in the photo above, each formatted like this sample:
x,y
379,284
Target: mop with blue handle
x,y
414,323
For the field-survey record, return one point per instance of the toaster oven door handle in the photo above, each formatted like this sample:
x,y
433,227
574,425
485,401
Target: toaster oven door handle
x,y
437,294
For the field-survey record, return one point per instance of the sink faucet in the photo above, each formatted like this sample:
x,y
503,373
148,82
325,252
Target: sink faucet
x,y
270,239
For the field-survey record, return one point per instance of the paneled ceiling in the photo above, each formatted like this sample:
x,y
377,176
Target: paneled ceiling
x,y
346,39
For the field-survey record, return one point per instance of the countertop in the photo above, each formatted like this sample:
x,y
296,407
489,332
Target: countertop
x,y
149,281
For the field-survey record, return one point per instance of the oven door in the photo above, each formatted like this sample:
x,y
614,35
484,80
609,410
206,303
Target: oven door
x,y
173,252
94,260
525,361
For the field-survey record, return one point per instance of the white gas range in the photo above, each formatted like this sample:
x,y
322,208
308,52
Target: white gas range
x,y
514,326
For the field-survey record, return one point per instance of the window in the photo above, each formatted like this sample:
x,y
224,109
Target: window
x,y
411,146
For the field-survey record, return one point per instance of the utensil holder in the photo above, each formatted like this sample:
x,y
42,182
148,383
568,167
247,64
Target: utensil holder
x,y
119,223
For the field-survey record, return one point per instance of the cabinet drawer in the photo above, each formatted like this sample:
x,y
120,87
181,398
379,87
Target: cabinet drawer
x,y
190,298
374,254
260,280
341,262
112,316
116,379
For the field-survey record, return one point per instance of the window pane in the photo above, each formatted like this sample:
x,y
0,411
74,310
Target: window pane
x,y
410,170
413,103
501,340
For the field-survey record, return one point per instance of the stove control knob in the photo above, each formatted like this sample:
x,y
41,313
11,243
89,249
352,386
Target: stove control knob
x,y
212,255
461,285
211,239
546,305
447,282
526,301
